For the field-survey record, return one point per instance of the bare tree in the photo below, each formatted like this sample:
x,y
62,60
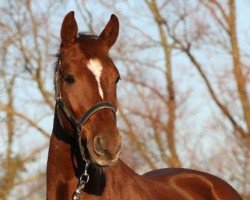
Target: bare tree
x,y
24,60
162,46
222,19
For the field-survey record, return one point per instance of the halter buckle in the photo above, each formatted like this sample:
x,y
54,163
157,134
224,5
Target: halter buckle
x,y
59,96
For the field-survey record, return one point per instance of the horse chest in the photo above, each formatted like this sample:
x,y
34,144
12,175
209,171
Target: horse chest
x,y
119,194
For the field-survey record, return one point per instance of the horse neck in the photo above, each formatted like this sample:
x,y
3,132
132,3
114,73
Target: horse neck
x,y
108,178
121,182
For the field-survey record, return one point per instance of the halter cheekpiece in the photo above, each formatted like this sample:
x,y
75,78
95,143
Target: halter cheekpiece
x,y
78,124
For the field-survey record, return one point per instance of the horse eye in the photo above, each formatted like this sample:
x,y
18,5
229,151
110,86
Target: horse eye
x,y
69,79
117,80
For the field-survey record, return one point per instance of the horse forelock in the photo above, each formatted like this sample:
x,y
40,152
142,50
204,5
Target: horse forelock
x,y
92,47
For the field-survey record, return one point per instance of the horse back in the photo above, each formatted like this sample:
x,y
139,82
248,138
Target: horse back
x,y
185,184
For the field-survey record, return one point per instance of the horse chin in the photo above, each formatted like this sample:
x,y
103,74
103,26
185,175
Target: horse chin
x,y
102,162
105,163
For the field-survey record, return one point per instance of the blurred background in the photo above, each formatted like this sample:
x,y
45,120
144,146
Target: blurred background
x,y
184,97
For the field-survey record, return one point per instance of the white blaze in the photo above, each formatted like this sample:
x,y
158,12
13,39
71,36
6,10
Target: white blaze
x,y
95,66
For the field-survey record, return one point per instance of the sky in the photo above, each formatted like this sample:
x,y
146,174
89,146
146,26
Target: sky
x,y
102,15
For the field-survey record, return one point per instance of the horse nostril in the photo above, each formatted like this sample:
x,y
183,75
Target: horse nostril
x,y
99,146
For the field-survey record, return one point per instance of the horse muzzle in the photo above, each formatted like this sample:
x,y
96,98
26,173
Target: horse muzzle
x,y
105,151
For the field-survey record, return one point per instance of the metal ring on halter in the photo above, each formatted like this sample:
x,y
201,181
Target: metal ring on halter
x,y
84,178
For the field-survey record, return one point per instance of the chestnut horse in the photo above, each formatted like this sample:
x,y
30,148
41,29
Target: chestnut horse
x,y
83,160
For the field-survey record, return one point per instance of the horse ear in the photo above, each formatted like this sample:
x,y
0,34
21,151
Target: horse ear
x,y
110,32
69,29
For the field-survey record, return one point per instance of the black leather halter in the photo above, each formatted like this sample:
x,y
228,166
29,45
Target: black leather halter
x,y
78,124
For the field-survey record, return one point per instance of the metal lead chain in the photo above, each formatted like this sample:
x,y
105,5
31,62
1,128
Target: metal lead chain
x,y
84,178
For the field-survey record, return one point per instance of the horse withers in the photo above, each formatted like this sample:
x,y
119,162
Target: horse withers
x,y
83,160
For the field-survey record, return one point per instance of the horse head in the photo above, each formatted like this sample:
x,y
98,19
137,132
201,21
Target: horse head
x,y
85,81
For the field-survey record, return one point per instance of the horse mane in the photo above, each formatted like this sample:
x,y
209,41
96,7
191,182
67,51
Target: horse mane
x,y
91,46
